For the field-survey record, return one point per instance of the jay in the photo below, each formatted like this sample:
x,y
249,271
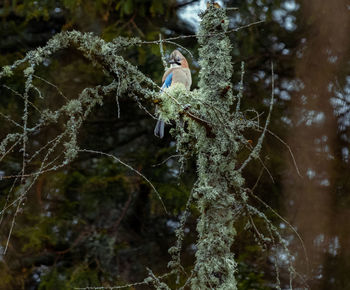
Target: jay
x,y
178,72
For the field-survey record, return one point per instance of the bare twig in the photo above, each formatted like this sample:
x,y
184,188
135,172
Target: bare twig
x,y
161,49
210,34
257,148
131,168
53,85
164,161
250,191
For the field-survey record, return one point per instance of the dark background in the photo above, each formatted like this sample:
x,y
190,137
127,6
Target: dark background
x,y
95,223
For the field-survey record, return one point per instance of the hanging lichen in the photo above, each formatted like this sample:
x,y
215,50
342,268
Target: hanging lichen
x,y
207,128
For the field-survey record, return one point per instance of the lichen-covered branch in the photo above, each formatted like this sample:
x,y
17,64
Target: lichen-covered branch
x,y
209,127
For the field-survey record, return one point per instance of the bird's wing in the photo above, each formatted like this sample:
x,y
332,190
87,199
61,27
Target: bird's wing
x,y
168,81
183,76
168,71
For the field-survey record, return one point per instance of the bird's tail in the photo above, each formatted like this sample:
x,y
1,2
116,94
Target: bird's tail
x,y
159,129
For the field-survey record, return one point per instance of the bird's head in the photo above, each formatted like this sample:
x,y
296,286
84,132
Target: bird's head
x,y
177,59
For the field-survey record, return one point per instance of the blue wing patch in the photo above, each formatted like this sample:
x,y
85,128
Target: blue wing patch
x,y
167,82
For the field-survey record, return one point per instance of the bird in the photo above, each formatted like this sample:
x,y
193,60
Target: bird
x,y
179,72
215,5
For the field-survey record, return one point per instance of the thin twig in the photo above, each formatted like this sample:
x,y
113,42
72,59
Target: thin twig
x,y
284,220
10,120
210,34
240,93
10,149
170,157
161,49
51,84
12,226
132,285
131,168
20,95
179,45
289,149
257,148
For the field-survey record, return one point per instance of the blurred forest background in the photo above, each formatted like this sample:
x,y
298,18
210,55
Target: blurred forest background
x,y
95,223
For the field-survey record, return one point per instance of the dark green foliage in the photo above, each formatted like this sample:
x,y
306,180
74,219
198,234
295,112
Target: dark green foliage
x,y
95,223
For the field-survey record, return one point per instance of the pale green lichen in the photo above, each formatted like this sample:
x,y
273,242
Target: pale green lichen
x,y
8,139
7,71
215,137
73,107
206,128
172,100
28,71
